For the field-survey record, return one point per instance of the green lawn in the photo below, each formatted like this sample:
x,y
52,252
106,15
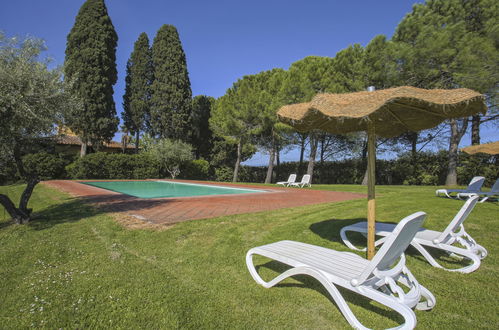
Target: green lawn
x,y
74,267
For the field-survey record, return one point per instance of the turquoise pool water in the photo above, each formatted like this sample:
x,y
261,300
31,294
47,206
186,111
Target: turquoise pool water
x,y
157,189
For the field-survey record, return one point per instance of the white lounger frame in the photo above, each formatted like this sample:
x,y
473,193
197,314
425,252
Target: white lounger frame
x,y
454,233
372,279
474,186
494,192
305,181
291,179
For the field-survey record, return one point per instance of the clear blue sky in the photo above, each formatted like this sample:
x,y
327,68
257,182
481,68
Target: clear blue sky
x,y
223,40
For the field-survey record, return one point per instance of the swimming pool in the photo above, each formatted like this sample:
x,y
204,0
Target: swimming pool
x,y
157,189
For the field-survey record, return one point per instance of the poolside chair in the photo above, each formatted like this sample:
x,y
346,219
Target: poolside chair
x,y
473,187
305,181
374,279
434,239
291,179
494,192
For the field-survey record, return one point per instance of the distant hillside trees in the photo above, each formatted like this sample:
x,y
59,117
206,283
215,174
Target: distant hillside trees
x,y
90,66
136,100
171,98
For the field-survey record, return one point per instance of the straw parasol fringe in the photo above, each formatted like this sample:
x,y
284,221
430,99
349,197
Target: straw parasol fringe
x,y
486,148
393,111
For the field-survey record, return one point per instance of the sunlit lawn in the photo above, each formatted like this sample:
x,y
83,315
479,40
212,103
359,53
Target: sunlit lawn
x,y
74,267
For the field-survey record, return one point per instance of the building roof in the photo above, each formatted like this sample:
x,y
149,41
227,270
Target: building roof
x,y
74,140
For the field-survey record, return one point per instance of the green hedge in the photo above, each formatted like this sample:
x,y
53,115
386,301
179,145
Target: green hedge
x,y
103,165
427,169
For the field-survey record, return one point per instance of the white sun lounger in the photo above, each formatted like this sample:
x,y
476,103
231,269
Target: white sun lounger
x,y
375,279
291,179
434,239
494,192
473,187
305,181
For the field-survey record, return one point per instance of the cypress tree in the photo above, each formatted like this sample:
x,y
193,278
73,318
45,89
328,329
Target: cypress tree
x,y
202,137
137,88
90,65
171,88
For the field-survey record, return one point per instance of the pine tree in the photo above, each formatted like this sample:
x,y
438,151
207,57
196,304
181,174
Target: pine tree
x,y
136,99
171,89
446,44
90,66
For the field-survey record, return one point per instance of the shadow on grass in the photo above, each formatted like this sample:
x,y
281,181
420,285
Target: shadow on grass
x,y
330,230
349,296
79,208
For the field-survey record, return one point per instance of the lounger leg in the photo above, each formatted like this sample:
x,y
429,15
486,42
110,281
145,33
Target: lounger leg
x,y
460,252
406,312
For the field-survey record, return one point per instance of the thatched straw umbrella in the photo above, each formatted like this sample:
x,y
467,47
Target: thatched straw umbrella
x,y
386,113
486,148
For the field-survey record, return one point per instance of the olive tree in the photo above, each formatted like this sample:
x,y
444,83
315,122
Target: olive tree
x,y
32,100
170,154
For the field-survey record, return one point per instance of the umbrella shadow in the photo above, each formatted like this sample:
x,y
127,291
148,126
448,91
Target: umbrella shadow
x,y
307,282
79,208
330,229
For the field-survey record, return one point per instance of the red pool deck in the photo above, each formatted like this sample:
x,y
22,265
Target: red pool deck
x,y
173,210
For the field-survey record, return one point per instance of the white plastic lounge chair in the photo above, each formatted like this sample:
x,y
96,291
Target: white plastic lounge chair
x,y
429,238
291,179
305,181
374,279
473,187
494,192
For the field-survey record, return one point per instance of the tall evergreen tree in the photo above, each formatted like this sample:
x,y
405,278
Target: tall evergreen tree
x,y
138,79
171,89
202,136
90,65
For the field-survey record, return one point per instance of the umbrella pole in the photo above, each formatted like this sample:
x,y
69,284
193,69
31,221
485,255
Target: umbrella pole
x,y
371,198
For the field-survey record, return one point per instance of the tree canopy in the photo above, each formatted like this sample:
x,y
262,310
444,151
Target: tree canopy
x,y
32,100
90,66
136,100
171,88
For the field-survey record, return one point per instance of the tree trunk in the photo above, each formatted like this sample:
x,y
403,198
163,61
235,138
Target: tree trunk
x,y
238,161
313,153
21,214
456,135
475,130
302,152
137,136
364,160
83,150
278,162
270,168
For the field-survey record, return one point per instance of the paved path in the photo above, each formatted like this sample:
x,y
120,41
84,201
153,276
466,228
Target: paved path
x,y
173,210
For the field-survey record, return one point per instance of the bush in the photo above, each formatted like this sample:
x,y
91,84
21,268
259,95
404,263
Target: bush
x,y
224,174
198,169
44,165
144,166
114,166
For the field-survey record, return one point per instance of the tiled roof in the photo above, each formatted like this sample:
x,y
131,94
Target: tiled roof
x,y
74,140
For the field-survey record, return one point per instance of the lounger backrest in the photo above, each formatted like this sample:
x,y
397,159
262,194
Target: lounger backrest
x,y
459,218
495,187
395,245
292,178
476,183
306,178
